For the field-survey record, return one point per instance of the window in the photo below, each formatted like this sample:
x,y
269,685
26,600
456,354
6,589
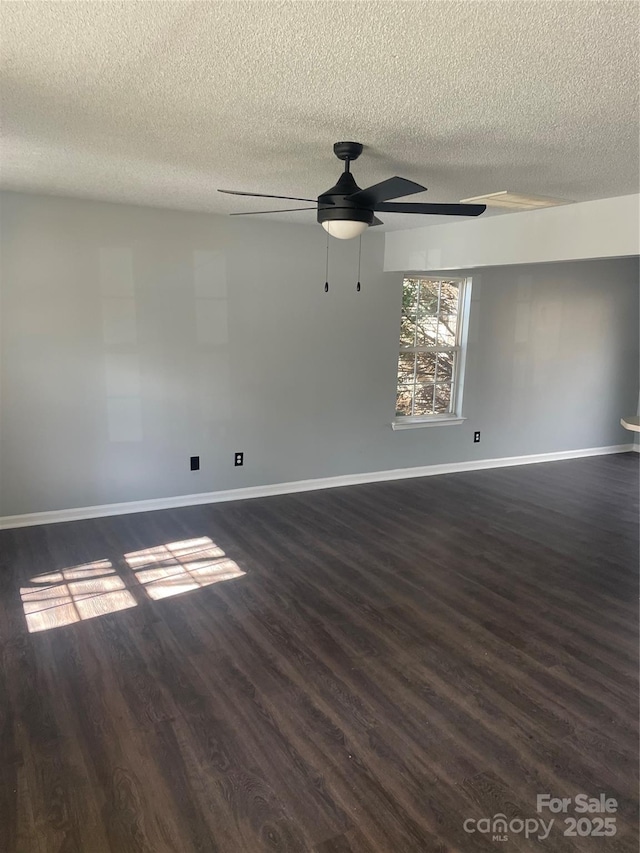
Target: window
x,y
432,350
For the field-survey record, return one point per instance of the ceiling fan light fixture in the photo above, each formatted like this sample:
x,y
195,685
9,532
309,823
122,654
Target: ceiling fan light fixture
x,y
346,211
344,229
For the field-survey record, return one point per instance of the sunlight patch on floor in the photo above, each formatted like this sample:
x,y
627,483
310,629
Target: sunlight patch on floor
x,y
73,594
93,589
177,567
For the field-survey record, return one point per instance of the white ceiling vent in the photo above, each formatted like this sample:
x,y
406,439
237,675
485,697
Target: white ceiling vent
x,y
515,201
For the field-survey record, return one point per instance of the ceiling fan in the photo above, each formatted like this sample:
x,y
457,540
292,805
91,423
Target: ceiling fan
x,y
346,211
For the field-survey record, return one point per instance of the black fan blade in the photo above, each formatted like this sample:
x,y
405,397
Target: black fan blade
x,y
376,221
391,188
262,195
285,210
435,209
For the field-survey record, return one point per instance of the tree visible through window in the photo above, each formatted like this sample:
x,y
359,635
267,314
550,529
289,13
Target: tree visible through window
x,y
430,346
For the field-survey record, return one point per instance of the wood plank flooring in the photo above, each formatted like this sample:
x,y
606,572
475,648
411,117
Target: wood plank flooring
x,y
355,670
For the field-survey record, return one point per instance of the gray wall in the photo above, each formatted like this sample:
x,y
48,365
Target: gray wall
x,y
134,338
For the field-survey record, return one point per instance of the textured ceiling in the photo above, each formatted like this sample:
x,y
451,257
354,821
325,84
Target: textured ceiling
x,y
161,103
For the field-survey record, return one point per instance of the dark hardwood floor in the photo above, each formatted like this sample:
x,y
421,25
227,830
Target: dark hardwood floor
x,y
356,670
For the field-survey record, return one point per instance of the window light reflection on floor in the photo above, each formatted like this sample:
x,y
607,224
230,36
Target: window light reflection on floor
x,y
178,567
73,594
93,589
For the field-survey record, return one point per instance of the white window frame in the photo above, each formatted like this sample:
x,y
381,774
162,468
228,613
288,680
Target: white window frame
x,y
454,417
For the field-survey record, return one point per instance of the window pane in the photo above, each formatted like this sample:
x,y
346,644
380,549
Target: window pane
x,y
429,297
443,399
406,363
410,292
427,330
423,403
404,399
447,330
407,331
445,366
449,297
425,367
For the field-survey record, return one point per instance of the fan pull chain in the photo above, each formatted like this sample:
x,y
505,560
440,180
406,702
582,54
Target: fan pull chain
x,y
359,259
326,269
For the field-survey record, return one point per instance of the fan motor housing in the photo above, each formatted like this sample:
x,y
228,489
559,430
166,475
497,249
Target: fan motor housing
x,y
335,204
353,214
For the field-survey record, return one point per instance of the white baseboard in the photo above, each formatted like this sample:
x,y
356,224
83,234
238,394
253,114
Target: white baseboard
x,y
78,513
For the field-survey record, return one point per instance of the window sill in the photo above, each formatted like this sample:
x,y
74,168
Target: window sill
x,y
416,423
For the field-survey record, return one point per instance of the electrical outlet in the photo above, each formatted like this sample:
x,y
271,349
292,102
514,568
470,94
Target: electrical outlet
x,y
238,459
195,463
476,437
